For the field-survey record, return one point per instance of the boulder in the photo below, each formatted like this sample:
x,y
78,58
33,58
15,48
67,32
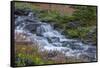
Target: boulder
x,y
73,24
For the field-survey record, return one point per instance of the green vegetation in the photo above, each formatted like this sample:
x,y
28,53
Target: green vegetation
x,y
55,17
85,15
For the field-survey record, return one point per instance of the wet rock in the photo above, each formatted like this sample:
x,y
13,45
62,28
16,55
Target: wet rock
x,y
73,24
22,12
91,37
92,32
84,58
58,27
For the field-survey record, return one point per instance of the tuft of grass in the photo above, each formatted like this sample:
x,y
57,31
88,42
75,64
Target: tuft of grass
x,y
27,55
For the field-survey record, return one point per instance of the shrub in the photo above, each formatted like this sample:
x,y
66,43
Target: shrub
x,y
86,14
73,33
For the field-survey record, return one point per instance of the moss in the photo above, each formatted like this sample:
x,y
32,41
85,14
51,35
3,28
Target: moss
x,y
73,33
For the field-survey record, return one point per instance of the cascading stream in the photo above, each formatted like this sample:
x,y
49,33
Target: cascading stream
x,y
50,39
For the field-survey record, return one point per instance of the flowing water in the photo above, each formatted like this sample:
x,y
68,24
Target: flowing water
x,y
48,38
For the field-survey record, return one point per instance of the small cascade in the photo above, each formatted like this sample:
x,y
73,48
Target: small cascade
x,y
48,38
